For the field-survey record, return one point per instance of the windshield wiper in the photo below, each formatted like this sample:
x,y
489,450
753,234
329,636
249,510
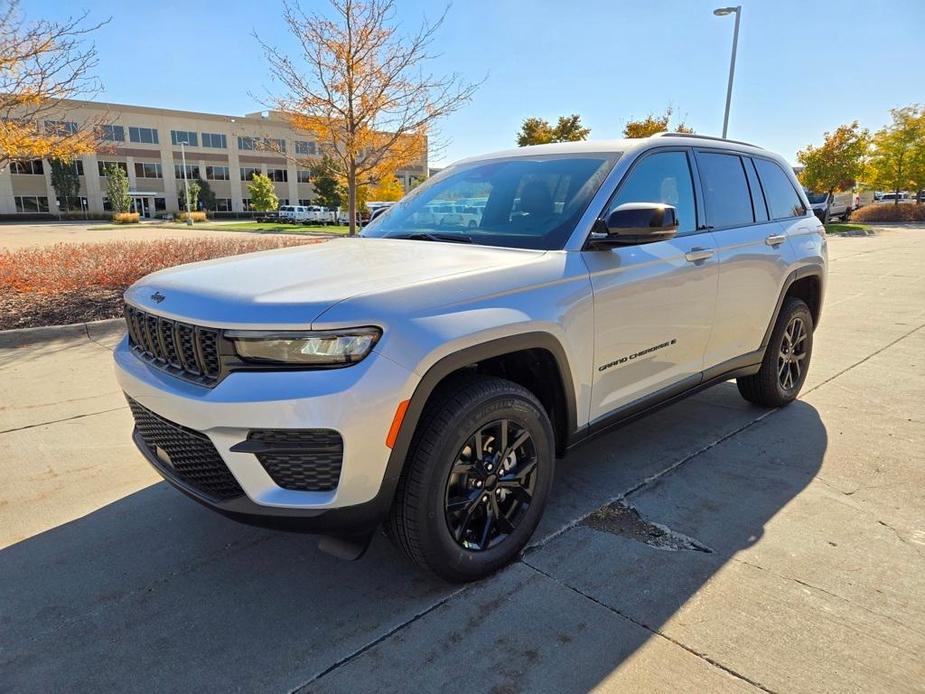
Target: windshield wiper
x,y
434,236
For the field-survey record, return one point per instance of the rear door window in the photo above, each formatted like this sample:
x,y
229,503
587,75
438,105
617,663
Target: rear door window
x,y
725,190
783,200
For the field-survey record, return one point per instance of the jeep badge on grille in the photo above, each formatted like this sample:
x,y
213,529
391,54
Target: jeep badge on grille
x,y
157,297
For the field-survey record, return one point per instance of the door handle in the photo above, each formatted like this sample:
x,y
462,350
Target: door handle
x,y
695,255
775,239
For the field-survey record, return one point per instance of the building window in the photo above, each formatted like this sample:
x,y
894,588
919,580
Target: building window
x,y
247,173
246,204
72,203
103,164
160,204
112,133
305,202
274,145
278,175
79,167
146,136
148,170
214,140
303,147
31,203
192,171
304,176
61,128
186,137
246,143
31,166
217,173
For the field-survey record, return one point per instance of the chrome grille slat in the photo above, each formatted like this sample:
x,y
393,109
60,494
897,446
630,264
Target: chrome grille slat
x,y
184,350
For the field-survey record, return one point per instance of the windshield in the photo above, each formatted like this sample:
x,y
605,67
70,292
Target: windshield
x,y
815,198
521,202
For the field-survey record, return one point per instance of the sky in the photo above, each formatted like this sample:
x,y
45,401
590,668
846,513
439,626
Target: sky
x,y
803,67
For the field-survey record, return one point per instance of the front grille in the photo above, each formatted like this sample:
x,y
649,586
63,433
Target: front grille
x,y
188,351
185,454
307,460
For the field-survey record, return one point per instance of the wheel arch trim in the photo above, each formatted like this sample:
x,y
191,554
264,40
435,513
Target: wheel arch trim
x,y
455,361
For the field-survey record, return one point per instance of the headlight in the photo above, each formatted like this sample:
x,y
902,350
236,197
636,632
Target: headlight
x,y
307,348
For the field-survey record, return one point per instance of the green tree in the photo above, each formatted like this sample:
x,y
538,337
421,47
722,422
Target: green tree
x,y
652,124
263,195
896,150
328,190
117,188
539,131
195,190
206,195
838,162
65,181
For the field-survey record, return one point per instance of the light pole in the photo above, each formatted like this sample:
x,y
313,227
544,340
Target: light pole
x,y
722,12
189,214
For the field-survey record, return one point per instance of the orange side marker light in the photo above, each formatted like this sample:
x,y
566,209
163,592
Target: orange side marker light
x,y
396,423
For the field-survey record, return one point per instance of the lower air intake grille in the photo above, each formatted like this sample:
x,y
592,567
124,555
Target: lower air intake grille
x,y
307,460
187,455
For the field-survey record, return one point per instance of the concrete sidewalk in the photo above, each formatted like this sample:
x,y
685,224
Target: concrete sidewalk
x,y
714,546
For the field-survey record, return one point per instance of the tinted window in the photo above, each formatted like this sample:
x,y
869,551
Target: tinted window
x,y
528,201
725,190
662,177
782,197
761,208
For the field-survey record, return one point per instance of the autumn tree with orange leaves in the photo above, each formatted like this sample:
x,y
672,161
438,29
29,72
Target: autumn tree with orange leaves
x,y
362,89
41,63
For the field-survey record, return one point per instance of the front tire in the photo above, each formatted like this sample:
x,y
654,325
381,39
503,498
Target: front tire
x,y
476,480
786,359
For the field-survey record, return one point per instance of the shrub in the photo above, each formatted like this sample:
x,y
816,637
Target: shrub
x,y
126,218
66,267
197,216
889,212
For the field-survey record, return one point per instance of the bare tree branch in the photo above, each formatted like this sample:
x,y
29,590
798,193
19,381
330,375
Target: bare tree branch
x,y
362,89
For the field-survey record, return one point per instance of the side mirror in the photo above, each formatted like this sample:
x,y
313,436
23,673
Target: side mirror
x,y
634,223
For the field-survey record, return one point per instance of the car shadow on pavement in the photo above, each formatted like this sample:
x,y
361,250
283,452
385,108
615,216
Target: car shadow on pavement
x,y
152,592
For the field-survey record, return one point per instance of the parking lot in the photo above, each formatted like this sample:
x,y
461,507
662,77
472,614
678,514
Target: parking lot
x,y
713,546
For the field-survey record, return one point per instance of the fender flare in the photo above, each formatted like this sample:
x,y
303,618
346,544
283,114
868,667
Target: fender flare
x,y
454,362
811,270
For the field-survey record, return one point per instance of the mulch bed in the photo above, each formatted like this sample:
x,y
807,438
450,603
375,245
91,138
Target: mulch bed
x,y
81,282
27,310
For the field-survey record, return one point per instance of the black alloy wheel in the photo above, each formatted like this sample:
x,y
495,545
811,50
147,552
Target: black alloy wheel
x,y
491,485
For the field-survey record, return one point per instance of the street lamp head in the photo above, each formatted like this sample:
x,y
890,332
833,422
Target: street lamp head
x,y
723,11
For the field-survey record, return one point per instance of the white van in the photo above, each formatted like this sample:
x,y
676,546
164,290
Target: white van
x,y
294,214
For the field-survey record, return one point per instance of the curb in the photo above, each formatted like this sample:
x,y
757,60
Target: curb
x,y
23,337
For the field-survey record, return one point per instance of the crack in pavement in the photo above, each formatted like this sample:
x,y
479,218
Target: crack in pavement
x,y
655,632
64,419
302,688
625,521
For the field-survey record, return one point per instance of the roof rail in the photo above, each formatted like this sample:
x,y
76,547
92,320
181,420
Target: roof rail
x,y
706,137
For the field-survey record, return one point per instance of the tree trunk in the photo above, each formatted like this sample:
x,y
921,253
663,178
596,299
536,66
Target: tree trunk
x,y
352,198
896,199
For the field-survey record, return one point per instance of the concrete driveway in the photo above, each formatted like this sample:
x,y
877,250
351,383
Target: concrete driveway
x,y
790,549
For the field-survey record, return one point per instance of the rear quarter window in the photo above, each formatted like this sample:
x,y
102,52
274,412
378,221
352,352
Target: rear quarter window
x,y
783,200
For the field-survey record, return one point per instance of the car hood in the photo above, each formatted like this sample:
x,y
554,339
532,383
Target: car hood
x,y
291,287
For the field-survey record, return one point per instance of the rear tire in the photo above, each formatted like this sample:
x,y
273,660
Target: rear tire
x,y
462,510
786,359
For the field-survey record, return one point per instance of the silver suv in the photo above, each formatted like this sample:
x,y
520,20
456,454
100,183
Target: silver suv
x,y
425,377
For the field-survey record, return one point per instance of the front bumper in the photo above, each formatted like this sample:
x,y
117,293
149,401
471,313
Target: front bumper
x,y
358,401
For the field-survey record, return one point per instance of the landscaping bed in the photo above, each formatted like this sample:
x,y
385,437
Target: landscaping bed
x,y
80,282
